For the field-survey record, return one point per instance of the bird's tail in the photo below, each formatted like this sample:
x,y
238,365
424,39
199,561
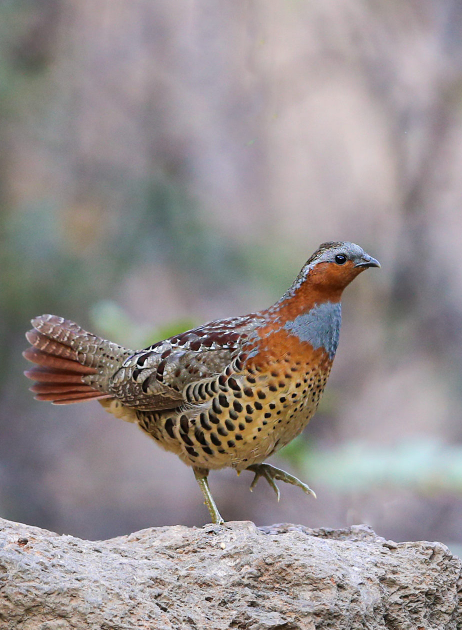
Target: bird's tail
x,y
71,365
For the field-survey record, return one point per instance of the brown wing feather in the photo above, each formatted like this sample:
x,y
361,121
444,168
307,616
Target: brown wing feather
x,y
155,378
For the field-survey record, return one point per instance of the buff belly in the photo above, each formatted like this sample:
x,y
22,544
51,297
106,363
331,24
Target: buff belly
x,y
247,430
242,424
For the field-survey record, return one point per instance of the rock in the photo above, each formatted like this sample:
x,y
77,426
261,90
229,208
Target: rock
x,y
283,577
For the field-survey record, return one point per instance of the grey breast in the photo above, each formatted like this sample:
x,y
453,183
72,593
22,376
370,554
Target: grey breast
x,y
320,326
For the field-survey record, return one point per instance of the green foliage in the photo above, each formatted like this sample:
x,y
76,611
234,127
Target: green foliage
x,y
421,463
112,322
297,452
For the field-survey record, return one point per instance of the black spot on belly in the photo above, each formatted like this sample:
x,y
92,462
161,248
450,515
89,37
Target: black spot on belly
x,y
191,451
184,424
200,437
237,406
169,427
229,425
214,439
222,431
213,418
205,421
207,450
186,439
223,400
233,384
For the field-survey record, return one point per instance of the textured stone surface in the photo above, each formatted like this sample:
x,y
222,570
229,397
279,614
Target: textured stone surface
x,y
283,577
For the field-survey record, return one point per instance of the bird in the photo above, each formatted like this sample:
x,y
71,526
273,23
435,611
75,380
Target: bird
x,y
229,393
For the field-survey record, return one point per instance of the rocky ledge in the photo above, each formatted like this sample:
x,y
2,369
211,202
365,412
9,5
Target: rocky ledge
x,y
283,577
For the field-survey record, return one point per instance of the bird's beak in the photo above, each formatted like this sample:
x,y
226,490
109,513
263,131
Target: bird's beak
x,y
367,261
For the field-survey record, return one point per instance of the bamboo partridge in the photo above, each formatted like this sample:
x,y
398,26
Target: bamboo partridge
x,y
229,393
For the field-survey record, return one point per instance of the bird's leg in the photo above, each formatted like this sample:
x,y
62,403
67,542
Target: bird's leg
x,y
201,478
271,474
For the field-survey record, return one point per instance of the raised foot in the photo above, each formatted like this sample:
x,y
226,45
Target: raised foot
x,y
271,474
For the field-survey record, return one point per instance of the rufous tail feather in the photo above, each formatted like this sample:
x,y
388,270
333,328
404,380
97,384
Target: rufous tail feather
x,y
71,364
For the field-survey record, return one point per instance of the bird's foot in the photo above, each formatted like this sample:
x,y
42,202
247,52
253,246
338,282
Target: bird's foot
x,y
273,474
201,478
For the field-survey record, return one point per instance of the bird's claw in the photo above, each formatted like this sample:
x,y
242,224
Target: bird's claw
x,y
271,474
268,478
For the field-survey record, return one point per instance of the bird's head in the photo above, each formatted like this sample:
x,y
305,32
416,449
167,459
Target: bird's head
x,y
330,269
335,265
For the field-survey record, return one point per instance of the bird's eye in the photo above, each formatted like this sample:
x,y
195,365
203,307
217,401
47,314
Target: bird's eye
x,y
340,259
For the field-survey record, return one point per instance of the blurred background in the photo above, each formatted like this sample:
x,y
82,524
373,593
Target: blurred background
x,y
167,163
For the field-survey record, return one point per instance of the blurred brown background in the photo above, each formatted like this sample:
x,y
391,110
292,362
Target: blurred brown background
x,y
167,163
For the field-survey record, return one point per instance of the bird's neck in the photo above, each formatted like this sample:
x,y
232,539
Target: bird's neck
x,y
311,313
305,295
